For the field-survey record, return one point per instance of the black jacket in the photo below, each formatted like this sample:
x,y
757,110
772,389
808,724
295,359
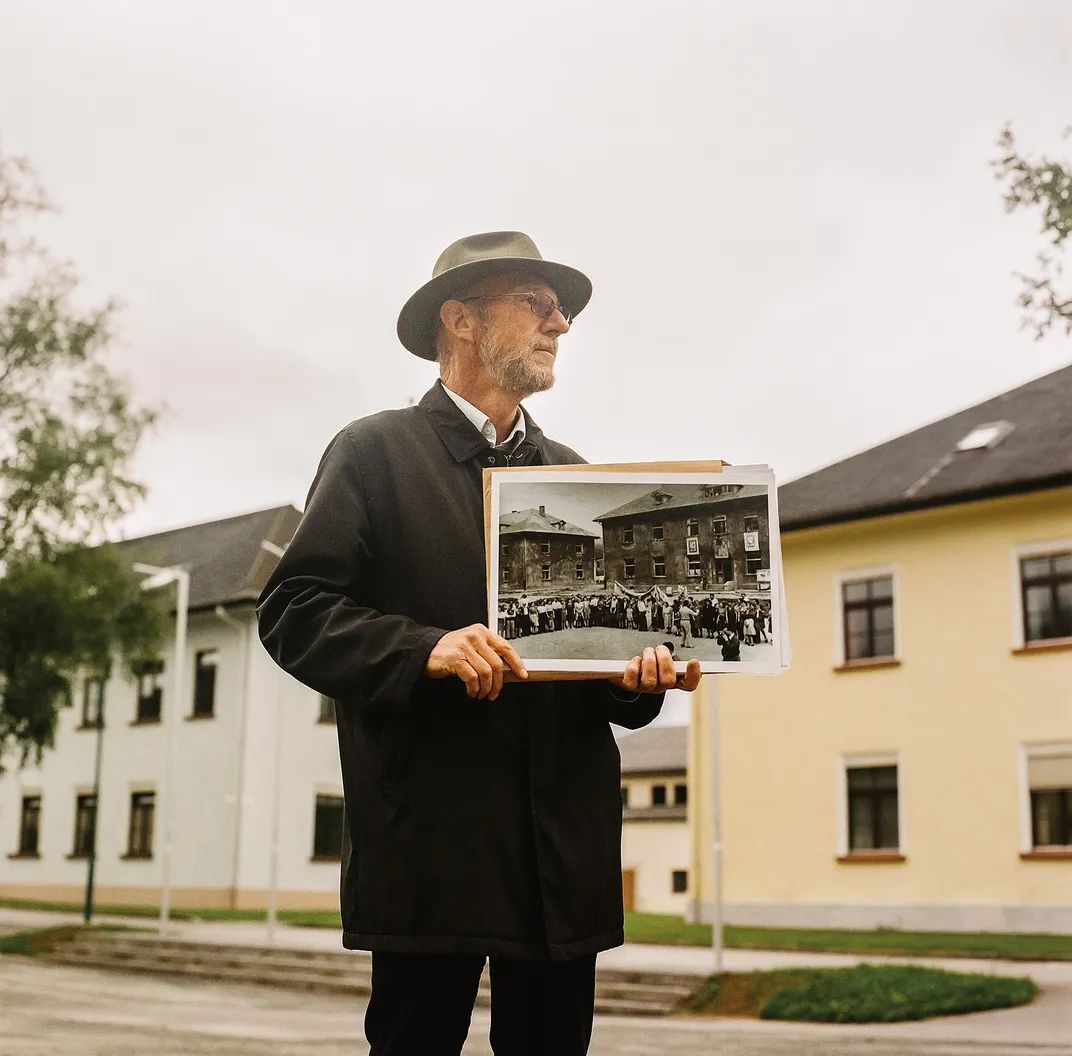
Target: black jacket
x,y
489,827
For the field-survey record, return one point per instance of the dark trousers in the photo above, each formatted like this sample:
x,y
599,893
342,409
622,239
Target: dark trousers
x,y
422,1004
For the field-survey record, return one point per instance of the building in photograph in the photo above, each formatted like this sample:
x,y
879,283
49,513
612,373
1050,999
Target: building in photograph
x,y
655,828
913,769
541,553
710,537
254,751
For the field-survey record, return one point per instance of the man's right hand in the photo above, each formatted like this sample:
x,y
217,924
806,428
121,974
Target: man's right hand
x,y
478,657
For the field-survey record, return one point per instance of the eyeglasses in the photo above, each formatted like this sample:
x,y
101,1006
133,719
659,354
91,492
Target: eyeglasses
x,y
541,304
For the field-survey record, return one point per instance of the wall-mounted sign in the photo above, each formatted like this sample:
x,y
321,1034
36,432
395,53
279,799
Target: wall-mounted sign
x,y
692,545
763,575
751,540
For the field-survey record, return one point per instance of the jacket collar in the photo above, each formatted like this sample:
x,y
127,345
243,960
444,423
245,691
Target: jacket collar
x,y
461,438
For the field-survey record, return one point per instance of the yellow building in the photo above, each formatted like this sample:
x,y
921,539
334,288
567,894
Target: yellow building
x,y
913,769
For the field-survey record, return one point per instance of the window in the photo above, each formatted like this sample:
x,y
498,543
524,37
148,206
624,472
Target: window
x,y
579,571
751,523
91,688
30,825
149,690
656,533
873,808
545,573
679,881
85,812
140,838
695,565
1050,784
630,570
505,571
659,567
681,795
625,795
578,550
867,616
627,535
692,527
752,564
503,550
723,569
545,547
718,524
326,712
658,795
205,683
327,827
1046,583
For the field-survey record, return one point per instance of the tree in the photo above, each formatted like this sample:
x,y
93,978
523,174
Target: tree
x,y
1047,184
69,429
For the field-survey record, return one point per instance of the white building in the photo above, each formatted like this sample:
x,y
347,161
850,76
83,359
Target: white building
x,y
254,752
655,829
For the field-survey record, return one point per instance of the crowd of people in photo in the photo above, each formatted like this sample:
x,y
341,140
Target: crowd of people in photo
x,y
731,622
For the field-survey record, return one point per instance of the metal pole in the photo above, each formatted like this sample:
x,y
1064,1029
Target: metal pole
x,y
171,720
91,858
273,851
716,826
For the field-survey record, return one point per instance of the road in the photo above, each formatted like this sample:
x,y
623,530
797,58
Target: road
x,y
51,1010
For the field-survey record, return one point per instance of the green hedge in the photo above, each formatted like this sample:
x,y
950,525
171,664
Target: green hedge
x,y
891,993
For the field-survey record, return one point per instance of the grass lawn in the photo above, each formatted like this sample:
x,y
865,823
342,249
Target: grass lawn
x,y
867,993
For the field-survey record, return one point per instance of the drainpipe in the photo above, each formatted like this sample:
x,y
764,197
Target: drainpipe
x,y
243,630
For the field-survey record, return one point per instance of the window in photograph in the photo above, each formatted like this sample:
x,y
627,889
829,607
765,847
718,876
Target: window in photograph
x,y
625,795
627,535
658,795
659,567
545,573
681,795
723,569
90,699
326,711
695,565
692,527
752,564
867,616
679,881
150,690
545,547
503,550
30,825
1050,785
327,827
504,573
873,817
718,524
630,570
1046,586
656,533
579,571
140,837
578,550
205,663
85,812
751,523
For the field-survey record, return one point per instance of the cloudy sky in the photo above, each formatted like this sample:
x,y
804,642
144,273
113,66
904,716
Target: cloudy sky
x,y
797,245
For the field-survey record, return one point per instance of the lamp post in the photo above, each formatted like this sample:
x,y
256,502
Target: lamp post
x,y
159,577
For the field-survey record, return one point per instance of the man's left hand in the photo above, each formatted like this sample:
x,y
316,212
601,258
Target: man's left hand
x,y
654,673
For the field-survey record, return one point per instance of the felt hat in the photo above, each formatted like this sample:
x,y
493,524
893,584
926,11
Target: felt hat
x,y
473,258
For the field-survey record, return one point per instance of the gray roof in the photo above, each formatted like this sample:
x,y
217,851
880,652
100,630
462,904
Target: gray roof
x,y
680,497
924,468
655,749
226,560
536,521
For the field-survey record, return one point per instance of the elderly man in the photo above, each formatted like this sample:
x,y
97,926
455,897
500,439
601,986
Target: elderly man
x,y
483,814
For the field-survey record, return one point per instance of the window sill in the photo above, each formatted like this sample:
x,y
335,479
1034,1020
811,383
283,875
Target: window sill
x,y
200,718
326,858
145,722
1043,854
77,857
136,857
1046,645
25,854
870,857
85,726
868,665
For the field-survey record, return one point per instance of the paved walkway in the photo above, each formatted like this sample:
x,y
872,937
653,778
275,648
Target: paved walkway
x,y
1046,1023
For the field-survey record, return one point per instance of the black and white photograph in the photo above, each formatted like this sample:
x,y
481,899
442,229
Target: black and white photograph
x,y
589,568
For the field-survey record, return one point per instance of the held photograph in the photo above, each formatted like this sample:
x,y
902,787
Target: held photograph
x,y
589,567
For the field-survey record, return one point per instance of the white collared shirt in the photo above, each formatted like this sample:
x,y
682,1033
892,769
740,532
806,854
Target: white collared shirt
x,y
484,423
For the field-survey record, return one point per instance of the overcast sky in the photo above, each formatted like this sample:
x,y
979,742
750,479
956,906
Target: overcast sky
x,y
797,245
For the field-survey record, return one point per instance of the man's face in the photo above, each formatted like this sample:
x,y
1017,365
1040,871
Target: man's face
x,y
515,346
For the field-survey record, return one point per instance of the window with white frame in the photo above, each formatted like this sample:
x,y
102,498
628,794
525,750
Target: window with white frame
x,y
1046,596
867,618
1049,790
872,806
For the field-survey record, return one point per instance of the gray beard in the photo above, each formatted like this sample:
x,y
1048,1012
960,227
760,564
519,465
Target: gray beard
x,y
513,368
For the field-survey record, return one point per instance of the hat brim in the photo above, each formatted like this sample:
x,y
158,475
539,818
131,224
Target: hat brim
x,y
418,321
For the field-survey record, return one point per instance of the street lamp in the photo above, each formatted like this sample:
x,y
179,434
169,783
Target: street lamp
x,y
159,577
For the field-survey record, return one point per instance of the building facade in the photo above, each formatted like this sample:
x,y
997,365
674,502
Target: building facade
x,y
913,769
713,538
541,553
255,758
